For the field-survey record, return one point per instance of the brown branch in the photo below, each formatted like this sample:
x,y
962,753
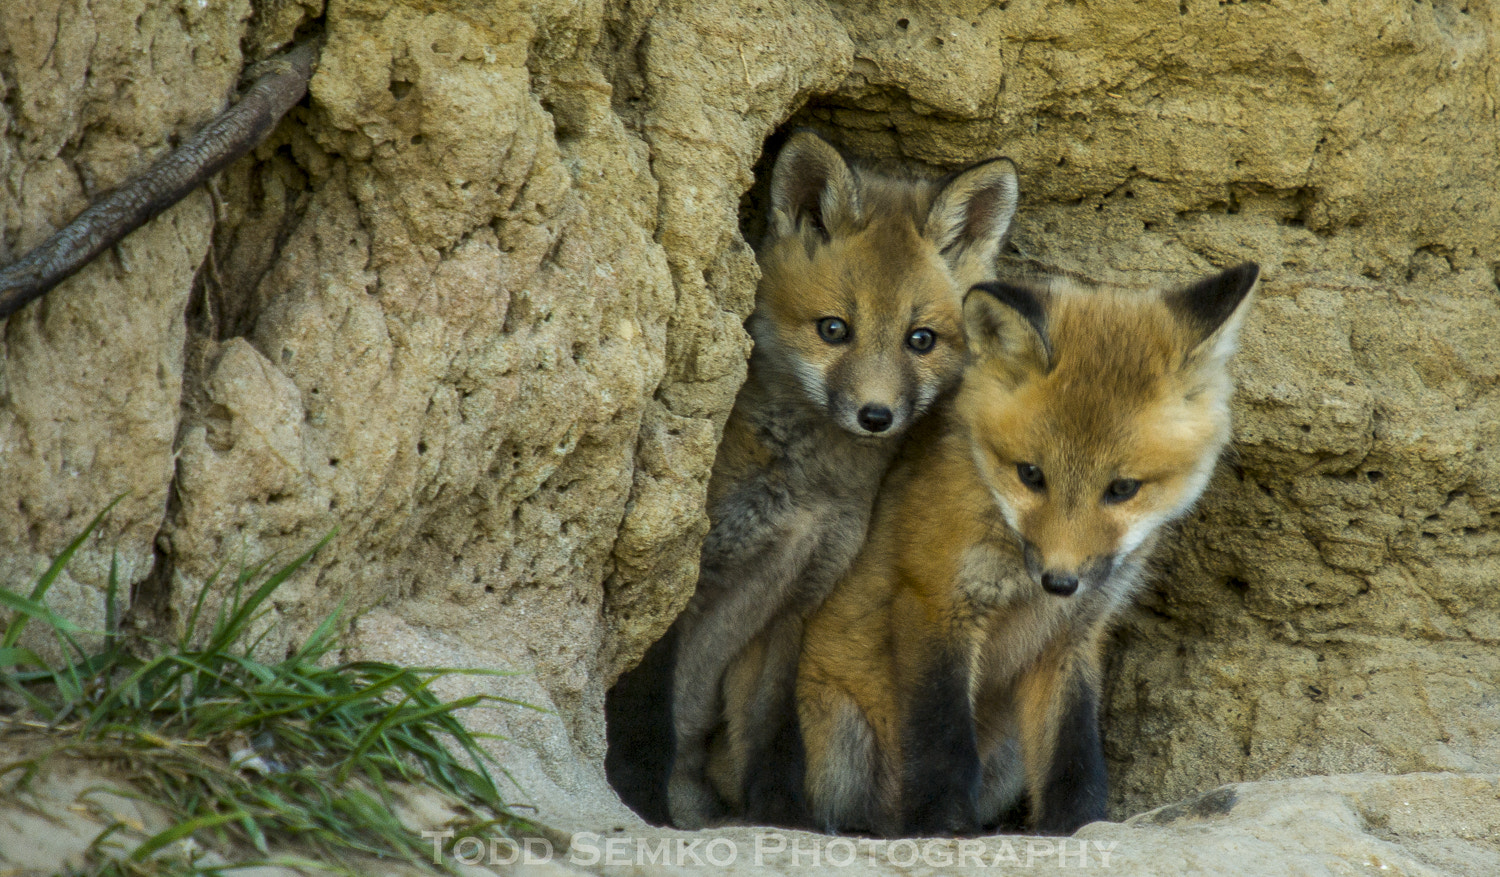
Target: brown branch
x,y
233,133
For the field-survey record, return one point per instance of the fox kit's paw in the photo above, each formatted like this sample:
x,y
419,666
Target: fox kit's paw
x,y
953,816
692,803
939,811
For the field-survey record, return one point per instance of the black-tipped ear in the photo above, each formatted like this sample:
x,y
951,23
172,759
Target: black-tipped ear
x,y
970,218
1008,323
1207,305
812,183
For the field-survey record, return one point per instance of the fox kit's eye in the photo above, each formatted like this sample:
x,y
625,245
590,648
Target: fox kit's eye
x,y
921,340
1031,475
1121,489
833,330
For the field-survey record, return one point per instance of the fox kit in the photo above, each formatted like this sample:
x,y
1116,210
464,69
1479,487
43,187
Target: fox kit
x,y
857,332
955,669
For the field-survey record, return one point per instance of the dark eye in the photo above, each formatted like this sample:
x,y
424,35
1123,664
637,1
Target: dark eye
x,y
1121,489
833,330
1031,475
921,340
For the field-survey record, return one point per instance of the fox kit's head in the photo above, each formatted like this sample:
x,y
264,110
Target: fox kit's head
x,y
863,275
1095,417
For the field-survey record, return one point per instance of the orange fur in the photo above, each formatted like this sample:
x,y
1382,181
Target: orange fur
x,y
857,330
1119,403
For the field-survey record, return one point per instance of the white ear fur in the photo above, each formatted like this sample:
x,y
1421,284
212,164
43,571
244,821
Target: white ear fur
x,y
1214,309
971,216
812,183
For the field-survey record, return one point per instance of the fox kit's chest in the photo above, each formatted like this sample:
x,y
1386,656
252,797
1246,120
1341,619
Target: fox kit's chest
x,y
784,458
784,479
991,577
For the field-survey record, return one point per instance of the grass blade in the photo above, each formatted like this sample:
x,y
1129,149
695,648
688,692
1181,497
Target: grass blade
x,y
29,609
244,612
18,657
246,752
180,831
44,583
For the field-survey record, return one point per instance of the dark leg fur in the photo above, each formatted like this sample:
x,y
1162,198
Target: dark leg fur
x,y
774,782
1076,784
638,731
941,777
1014,820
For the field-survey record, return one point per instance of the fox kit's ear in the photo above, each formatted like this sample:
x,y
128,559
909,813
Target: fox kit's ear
x,y
812,183
1008,325
971,216
1213,309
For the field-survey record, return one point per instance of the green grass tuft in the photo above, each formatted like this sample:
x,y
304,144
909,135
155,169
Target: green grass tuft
x,y
245,753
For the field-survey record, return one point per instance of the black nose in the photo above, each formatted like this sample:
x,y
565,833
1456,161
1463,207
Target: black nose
x,y
1060,583
875,418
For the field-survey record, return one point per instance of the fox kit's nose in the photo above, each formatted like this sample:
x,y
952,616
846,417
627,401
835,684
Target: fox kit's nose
x,y
875,418
1063,584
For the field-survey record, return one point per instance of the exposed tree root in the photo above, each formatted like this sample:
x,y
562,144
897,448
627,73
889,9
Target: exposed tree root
x,y
230,135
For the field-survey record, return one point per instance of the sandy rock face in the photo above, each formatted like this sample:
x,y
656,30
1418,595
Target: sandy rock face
x,y
91,377
476,305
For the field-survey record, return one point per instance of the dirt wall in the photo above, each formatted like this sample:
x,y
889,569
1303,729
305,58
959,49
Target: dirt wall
x,y
476,305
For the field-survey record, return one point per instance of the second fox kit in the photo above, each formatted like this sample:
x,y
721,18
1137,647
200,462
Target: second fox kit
x,y
856,331
955,669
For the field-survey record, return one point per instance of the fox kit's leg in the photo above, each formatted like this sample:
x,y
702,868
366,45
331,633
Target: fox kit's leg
x,y
761,717
727,761
1058,712
847,713
729,608
941,771
848,781
1003,787
774,789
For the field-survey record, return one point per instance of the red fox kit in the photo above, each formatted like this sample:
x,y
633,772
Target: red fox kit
x,y
857,332
955,668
